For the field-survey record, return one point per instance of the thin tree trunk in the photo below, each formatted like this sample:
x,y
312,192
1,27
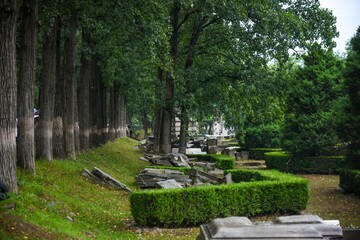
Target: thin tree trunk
x,y
70,86
25,97
44,135
76,128
158,112
165,146
84,101
58,125
145,124
183,130
8,94
122,115
112,114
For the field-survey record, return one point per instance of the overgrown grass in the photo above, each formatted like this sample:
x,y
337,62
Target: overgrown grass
x,y
60,200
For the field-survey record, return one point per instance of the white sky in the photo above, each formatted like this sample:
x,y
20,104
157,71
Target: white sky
x,y
347,13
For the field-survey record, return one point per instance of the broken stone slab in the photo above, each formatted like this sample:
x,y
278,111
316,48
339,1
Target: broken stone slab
x,y
178,160
242,155
204,177
230,151
149,177
293,227
104,178
227,179
194,151
169,184
212,149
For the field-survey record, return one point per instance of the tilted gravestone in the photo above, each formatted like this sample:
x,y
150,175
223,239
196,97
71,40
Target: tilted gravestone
x,y
288,227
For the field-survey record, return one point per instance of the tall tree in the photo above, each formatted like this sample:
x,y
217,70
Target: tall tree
x,y
44,136
8,94
70,86
348,112
58,123
25,111
309,127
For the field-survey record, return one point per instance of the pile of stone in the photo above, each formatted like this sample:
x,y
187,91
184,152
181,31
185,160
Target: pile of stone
x,y
286,227
155,178
172,159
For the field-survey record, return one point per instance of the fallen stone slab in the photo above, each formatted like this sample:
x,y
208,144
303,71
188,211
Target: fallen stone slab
x,y
103,178
288,227
169,184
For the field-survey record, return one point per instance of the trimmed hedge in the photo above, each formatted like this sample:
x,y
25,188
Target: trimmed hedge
x,y
350,181
259,153
321,165
273,192
223,162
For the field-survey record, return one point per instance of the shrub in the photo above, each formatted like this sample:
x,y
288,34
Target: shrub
x,y
263,135
321,165
222,161
350,181
276,192
258,153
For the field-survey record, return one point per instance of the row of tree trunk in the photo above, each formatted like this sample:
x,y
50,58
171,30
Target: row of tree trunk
x,y
72,118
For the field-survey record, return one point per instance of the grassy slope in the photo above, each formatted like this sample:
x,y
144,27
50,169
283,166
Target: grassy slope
x,y
59,192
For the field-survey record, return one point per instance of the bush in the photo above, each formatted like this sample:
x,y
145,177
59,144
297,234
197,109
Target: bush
x,y
276,192
223,162
320,165
350,181
263,135
258,153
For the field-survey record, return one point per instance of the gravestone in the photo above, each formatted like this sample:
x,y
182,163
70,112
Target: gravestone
x,y
288,227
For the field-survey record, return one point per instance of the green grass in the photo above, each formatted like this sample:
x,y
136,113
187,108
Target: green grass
x,y
59,192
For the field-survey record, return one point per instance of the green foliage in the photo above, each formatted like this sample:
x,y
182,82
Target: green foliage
x,y
258,153
263,135
309,126
350,181
222,161
277,160
276,192
348,111
315,165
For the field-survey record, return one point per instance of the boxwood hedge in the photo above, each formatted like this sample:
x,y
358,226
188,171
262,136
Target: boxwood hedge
x,y
350,181
255,192
223,162
259,153
321,165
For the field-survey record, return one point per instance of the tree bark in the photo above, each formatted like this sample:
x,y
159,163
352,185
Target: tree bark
x,y
70,86
112,114
165,146
8,94
44,135
158,112
58,124
25,98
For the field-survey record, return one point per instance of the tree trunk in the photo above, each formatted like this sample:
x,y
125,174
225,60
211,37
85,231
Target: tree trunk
x,y
145,121
44,144
58,126
25,98
165,146
158,112
8,94
122,116
76,126
84,99
183,130
70,86
94,141
112,114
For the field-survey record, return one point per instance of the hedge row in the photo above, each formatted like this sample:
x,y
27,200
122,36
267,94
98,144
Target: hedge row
x,y
273,192
350,181
321,165
223,162
259,153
